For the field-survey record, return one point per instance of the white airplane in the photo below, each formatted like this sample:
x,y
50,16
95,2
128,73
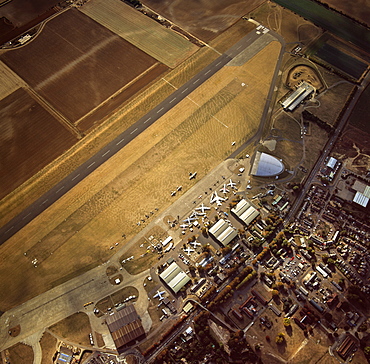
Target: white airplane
x,y
195,244
184,226
202,208
224,189
179,188
232,184
173,193
189,219
216,198
159,294
188,251
192,175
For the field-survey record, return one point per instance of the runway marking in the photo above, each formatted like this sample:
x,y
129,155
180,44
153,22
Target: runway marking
x,y
133,131
239,47
207,72
45,201
59,189
90,165
220,121
120,141
185,90
9,229
75,177
160,110
195,81
173,100
24,217
106,153
218,64
147,120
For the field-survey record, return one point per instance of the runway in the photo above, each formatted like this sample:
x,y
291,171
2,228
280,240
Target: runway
x,y
56,192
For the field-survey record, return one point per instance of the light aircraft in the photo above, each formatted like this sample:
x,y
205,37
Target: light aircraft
x,y
249,187
159,294
232,184
189,219
173,193
216,198
179,188
184,226
188,251
224,189
192,175
202,208
195,244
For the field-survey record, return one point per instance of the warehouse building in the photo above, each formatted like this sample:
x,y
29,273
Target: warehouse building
x,y
301,93
174,277
223,232
245,212
125,327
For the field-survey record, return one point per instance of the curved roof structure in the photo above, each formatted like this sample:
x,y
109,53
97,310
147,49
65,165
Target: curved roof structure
x,y
266,165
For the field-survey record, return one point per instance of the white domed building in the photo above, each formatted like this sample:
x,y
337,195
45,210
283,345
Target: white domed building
x,y
266,165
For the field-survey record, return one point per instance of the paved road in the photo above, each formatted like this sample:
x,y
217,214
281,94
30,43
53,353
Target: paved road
x,y
21,220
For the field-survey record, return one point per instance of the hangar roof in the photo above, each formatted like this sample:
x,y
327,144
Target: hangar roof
x,y
175,277
266,165
223,232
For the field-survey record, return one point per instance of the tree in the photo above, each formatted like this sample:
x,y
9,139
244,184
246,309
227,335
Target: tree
x,y
275,293
367,350
286,322
280,338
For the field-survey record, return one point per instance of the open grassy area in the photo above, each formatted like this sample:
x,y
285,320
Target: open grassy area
x,y
48,346
75,328
20,354
195,135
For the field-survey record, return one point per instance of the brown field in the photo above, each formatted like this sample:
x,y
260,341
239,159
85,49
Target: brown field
x,y
28,139
21,354
93,216
9,81
205,19
48,346
359,9
75,328
69,64
291,26
154,39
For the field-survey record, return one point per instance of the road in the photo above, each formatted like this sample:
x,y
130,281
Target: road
x,y
41,204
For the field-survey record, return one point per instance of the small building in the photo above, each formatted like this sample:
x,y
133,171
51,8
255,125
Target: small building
x,y
125,327
174,277
65,356
222,232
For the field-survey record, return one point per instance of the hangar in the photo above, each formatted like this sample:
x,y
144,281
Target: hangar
x,y
125,327
223,232
245,211
292,101
174,277
266,165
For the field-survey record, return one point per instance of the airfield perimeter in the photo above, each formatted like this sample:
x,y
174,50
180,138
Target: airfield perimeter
x,y
196,134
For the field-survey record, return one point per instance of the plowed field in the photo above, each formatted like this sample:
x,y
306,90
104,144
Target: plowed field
x,y
30,138
205,19
163,44
75,64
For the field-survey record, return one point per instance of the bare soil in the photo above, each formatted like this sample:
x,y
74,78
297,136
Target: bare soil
x,y
205,19
21,354
72,58
48,346
30,138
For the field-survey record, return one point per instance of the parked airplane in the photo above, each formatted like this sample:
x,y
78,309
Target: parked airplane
x,y
202,208
184,226
190,219
192,175
173,193
159,294
224,189
179,188
232,184
188,251
217,199
195,244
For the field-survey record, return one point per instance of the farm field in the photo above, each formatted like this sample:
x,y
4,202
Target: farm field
x,y
92,216
359,9
161,43
71,60
9,81
28,139
205,19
